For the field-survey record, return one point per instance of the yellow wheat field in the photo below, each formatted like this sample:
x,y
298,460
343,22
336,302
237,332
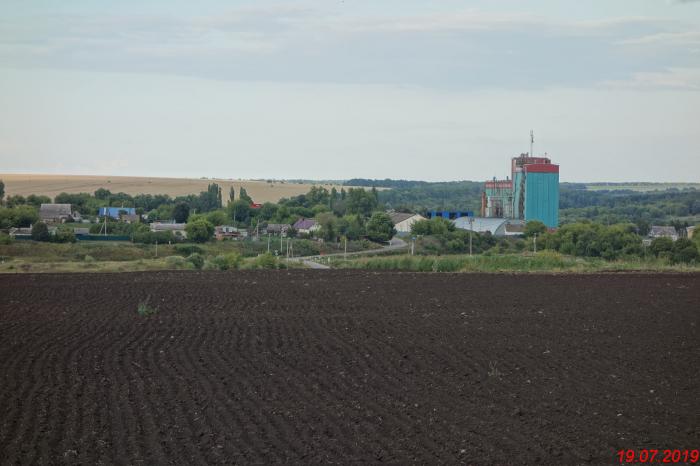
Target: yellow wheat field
x,y
51,185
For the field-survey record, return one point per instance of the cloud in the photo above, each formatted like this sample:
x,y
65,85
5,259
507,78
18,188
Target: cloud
x,y
665,39
687,79
463,49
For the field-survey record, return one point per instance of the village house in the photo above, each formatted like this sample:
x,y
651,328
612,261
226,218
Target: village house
x,y
663,232
404,221
278,229
57,213
222,232
116,212
178,229
306,226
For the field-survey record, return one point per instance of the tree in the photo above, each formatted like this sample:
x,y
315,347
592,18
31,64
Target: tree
x,y
181,212
684,251
380,227
239,210
434,226
36,201
352,227
40,232
360,202
243,196
217,217
534,227
199,231
328,226
103,194
2,190
231,194
660,245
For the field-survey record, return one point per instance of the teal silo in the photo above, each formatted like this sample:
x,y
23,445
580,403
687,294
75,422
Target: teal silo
x,y
542,193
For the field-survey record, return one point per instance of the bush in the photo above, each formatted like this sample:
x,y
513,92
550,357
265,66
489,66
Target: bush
x,y
229,261
88,258
267,261
684,251
40,232
187,249
199,231
177,262
380,227
660,245
5,238
64,234
197,260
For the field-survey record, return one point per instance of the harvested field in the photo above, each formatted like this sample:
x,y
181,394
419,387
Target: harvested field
x,y
346,366
52,185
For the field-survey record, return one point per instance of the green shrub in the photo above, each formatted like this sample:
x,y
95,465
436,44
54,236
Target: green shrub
x,y
196,259
188,249
40,232
177,262
267,261
230,261
144,310
64,234
5,239
88,258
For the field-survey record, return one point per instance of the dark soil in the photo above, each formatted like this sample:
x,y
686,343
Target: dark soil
x,y
346,366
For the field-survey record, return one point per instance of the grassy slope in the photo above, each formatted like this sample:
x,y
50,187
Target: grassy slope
x,y
546,261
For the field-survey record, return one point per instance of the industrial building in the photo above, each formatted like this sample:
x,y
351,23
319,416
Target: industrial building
x,y
530,193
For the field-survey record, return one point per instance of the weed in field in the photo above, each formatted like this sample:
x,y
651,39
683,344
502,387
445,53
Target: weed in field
x,y
145,310
493,370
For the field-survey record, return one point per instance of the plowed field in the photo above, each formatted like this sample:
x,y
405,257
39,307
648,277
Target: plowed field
x,y
346,366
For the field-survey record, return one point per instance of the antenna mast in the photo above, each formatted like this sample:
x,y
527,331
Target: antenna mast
x,y
532,142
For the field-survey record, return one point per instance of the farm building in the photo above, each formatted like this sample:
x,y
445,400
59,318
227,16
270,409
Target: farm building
x,y
495,226
278,228
306,226
222,232
690,232
403,221
115,212
57,213
531,193
663,232
178,229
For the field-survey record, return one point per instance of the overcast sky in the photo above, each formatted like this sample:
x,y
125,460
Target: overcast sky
x,y
417,89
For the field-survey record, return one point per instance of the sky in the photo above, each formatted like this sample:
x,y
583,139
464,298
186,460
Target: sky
x,y
411,89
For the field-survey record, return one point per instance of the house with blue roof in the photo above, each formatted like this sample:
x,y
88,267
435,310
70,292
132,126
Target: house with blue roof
x,y
116,212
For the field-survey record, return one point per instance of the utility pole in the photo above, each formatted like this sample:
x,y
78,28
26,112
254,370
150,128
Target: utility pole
x,y
268,242
345,254
156,248
471,231
535,243
413,245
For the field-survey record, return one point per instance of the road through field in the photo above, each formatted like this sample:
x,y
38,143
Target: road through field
x,y
342,366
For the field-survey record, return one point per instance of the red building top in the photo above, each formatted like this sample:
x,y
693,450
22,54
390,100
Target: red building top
x,y
499,184
541,168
